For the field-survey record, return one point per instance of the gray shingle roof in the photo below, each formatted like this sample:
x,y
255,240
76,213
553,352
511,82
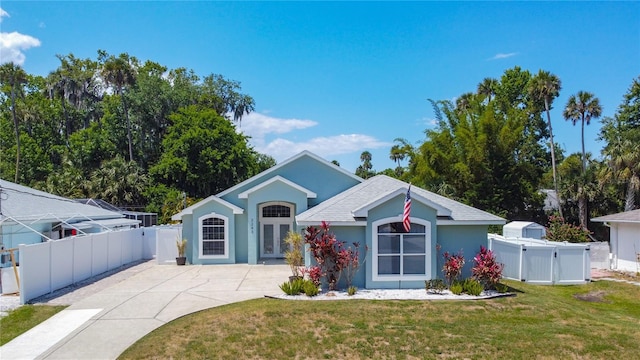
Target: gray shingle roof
x,y
339,208
632,216
27,204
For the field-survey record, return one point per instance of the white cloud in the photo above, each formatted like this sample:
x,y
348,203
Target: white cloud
x,y
499,56
325,146
12,46
260,126
428,121
3,14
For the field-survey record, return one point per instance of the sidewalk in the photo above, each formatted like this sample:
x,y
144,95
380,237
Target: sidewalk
x,y
107,317
604,274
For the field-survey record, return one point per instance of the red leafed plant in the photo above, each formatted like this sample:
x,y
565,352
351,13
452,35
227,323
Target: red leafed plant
x,y
453,265
331,255
315,274
486,269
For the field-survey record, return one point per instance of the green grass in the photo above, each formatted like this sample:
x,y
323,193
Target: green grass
x,y
539,322
24,318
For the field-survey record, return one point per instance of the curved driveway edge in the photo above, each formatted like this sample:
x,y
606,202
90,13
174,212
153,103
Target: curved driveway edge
x,y
149,296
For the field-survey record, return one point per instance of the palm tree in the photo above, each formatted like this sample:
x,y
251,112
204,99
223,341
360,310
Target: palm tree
x,y
622,157
119,182
12,77
364,170
546,86
62,85
487,88
583,106
463,103
396,154
119,72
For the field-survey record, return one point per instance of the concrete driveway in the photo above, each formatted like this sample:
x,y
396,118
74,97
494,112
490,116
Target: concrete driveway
x,y
107,317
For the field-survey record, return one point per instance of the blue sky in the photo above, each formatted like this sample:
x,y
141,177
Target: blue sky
x,y
340,78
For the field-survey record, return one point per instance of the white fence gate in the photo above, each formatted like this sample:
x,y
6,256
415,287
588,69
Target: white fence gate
x,y
542,262
164,243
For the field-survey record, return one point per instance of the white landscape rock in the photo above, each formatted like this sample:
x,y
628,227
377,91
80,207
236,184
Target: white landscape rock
x,y
393,294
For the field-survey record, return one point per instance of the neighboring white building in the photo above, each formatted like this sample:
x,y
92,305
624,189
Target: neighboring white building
x,y
550,201
524,229
624,239
29,216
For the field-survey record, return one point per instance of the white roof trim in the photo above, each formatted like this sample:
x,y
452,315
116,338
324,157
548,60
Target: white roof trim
x,y
290,160
471,222
332,223
310,194
188,211
108,223
617,221
363,211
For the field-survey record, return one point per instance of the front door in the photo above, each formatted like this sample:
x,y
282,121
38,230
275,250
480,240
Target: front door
x,y
273,235
276,219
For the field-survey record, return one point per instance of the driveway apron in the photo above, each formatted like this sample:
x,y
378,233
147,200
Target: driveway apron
x,y
111,320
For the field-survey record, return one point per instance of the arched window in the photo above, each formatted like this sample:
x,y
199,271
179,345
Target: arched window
x,y
213,237
400,255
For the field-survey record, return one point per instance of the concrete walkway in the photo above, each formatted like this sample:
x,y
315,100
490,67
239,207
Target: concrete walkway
x,y
103,324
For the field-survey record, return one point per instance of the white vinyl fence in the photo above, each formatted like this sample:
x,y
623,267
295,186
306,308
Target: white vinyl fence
x,y
540,261
52,265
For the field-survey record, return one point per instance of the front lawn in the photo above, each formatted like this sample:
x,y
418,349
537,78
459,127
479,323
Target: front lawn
x,y
539,322
24,318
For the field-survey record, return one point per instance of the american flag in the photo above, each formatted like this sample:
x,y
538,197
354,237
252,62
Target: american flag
x,y
407,211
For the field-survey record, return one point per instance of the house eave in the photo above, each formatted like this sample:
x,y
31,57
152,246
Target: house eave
x,y
332,223
616,221
470,222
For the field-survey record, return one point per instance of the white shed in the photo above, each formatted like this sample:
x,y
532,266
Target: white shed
x,y
624,239
523,229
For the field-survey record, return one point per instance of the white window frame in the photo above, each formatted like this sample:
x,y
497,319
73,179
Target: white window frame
x,y
201,255
399,277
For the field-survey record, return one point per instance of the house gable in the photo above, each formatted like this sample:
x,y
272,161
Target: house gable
x,y
211,199
306,170
310,194
363,210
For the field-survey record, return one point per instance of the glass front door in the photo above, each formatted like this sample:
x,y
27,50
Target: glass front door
x,y
276,219
273,244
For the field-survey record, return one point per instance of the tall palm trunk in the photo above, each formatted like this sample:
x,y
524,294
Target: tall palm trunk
x,y
126,114
582,207
67,122
632,188
553,156
17,126
584,154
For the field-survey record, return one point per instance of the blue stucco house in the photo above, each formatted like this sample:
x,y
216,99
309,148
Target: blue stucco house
x,y
248,222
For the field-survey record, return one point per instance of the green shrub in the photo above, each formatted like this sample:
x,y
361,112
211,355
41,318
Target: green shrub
x,y
436,286
456,288
352,290
310,289
472,287
501,288
294,287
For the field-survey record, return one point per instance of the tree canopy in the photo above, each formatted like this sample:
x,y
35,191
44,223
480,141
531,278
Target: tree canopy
x,y
116,128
